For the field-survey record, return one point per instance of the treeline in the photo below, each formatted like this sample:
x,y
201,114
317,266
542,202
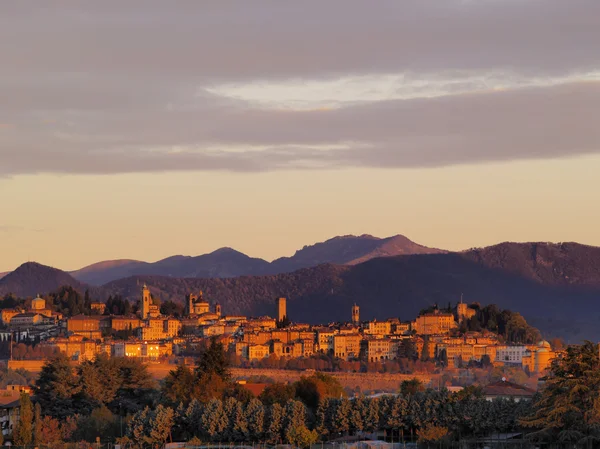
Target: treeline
x,y
413,417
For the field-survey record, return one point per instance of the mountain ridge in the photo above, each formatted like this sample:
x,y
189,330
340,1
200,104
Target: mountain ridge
x,y
228,262
555,286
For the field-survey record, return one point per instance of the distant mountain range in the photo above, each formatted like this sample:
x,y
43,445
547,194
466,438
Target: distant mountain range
x,y
227,262
555,286
4,274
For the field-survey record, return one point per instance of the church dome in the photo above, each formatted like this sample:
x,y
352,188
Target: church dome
x,y
544,344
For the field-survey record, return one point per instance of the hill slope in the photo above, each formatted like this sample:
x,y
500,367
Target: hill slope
x,y
227,262
32,278
556,287
4,274
222,263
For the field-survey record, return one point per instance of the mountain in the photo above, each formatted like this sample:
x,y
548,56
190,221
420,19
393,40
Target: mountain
x,y
555,286
32,278
226,262
3,274
222,263
349,250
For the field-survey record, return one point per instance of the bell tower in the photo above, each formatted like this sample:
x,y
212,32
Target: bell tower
x,y
355,314
146,301
218,310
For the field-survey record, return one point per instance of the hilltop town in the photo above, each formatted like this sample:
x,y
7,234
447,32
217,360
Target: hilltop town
x,y
455,337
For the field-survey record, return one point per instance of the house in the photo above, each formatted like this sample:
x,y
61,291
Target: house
x,y
507,390
9,412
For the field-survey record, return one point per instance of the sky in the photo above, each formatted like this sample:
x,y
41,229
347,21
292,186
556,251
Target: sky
x,y
143,128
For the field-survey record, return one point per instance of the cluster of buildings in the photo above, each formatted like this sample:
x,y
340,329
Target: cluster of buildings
x,y
152,336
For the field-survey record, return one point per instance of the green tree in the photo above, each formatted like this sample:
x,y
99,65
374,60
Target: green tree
x,y
311,390
180,386
23,433
37,425
274,424
568,408
56,387
214,421
300,436
411,387
214,360
278,392
255,418
161,424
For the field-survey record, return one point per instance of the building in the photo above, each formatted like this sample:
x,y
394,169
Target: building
x,y
324,340
145,303
38,303
379,349
9,413
379,328
464,312
196,305
86,326
141,350
347,347
124,323
507,390
98,308
355,315
538,359
75,347
26,319
511,354
434,323
8,314
281,309
258,352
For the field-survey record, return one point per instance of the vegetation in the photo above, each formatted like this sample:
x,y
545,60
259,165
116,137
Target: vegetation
x,y
568,409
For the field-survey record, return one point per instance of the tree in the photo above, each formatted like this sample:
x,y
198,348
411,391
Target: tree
x,y
255,418
180,385
23,432
300,436
101,422
214,360
161,424
277,393
274,424
568,408
311,390
411,387
37,425
432,434
56,387
214,421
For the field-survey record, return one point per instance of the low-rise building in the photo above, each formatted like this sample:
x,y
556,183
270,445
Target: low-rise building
x,y
347,347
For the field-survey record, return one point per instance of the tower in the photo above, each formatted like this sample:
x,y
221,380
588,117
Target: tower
x,y
218,310
191,299
281,309
461,310
355,314
146,301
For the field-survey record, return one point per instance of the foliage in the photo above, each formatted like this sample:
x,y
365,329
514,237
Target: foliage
x,y
277,393
568,408
214,360
312,389
23,432
101,422
411,387
300,436
69,302
432,433
63,391
117,306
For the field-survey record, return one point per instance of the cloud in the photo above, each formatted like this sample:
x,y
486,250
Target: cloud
x,y
107,87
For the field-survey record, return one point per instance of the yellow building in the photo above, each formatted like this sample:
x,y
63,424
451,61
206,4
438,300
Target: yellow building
x,y
347,347
75,347
38,304
8,314
434,323
379,328
125,323
379,349
98,307
539,359
325,340
258,352
464,312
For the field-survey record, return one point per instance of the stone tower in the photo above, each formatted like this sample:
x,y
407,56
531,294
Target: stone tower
x,y
355,314
145,303
218,310
281,309
189,308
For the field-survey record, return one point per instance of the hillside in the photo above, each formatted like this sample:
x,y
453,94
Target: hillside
x,y
4,274
349,250
32,278
555,286
226,262
535,279
222,263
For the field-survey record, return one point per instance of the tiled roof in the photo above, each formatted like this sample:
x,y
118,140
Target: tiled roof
x,y
504,388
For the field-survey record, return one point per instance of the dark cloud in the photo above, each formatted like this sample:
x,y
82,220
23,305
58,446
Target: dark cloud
x,y
115,87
